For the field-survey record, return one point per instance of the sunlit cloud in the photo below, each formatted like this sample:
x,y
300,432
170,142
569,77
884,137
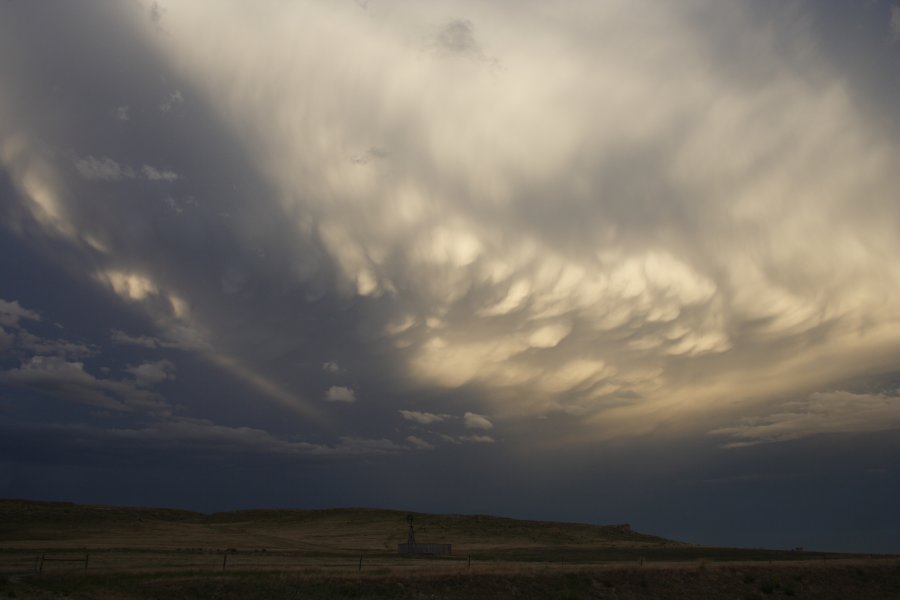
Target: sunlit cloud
x,y
483,218
423,418
474,421
570,246
820,413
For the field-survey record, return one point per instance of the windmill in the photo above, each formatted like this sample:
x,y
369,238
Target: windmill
x,y
411,548
411,537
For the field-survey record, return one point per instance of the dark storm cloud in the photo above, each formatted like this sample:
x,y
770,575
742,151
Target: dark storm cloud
x,y
587,277
571,274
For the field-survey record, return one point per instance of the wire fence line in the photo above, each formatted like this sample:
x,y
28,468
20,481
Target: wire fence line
x,y
110,561
65,562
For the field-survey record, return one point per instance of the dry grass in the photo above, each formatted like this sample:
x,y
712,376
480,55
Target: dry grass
x,y
147,553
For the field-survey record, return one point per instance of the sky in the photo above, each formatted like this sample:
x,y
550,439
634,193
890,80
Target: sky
x,y
610,262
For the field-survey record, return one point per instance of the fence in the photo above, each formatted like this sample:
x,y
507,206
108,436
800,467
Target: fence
x,y
103,561
43,558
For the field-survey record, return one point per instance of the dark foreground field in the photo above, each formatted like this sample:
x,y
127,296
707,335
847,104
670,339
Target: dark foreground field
x,y
844,581
59,550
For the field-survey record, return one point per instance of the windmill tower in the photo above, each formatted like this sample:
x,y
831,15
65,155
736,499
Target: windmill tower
x,y
411,548
411,537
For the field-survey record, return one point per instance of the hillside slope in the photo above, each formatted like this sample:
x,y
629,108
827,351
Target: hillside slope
x,y
33,524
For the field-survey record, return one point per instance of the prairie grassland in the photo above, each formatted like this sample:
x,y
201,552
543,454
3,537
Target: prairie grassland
x,y
57,550
877,579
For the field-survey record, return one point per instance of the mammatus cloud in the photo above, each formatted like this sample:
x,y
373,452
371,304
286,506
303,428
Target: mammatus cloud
x,y
582,251
371,154
823,412
626,248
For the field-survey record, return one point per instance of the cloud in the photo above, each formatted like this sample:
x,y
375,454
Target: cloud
x,y
154,174
895,23
423,418
419,443
20,341
106,169
152,373
820,413
371,154
332,367
156,13
182,339
103,169
29,343
457,38
474,421
122,113
12,312
117,336
68,381
476,439
581,253
338,393
172,101
200,437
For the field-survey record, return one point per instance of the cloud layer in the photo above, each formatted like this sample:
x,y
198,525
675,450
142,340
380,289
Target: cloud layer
x,y
474,216
576,230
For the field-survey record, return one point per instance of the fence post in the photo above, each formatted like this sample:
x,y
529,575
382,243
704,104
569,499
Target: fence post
x,y
359,570
41,564
224,560
86,558
470,562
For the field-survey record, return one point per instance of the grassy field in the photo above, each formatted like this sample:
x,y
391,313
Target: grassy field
x,y
61,550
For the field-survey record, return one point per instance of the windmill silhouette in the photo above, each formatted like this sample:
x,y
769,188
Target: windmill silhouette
x,y
411,548
411,537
